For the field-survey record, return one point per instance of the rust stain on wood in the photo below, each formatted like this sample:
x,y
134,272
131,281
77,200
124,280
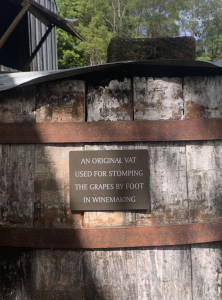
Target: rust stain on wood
x,y
107,219
61,101
56,216
195,111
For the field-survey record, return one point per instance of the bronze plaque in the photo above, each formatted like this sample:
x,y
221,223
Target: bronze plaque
x,y
109,180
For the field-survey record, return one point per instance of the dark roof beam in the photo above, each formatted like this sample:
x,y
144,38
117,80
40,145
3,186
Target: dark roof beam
x,y
27,64
38,16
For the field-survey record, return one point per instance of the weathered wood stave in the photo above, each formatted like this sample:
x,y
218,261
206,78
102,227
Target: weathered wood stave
x,y
52,209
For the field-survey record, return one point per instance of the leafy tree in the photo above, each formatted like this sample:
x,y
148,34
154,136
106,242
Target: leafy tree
x,y
209,30
213,40
93,28
156,18
103,19
189,17
69,53
100,20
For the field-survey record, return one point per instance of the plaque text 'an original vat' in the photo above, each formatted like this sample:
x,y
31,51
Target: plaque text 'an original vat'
x,y
109,180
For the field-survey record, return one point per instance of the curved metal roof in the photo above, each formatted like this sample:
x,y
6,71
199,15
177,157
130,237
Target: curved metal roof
x,y
158,68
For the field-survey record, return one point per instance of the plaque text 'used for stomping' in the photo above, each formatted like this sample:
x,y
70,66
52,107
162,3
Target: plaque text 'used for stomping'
x,y
109,180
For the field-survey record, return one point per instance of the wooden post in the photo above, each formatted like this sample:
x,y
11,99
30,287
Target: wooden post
x,y
57,101
18,200
202,100
14,24
110,103
162,99
27,64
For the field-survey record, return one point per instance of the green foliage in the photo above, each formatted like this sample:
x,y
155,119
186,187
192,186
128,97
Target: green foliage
x,y
204,58
100,20
69,53
203,19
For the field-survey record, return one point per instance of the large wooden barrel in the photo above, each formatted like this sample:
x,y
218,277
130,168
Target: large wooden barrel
x,y
185,188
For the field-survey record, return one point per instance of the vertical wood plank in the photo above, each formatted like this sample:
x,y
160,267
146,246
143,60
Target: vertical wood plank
x,y
163,272
204,164
112,102
18,106
52,204
17,162
15,273
17,185
158,99
168,188
60,101
57,274
107,219
110,275
202,97
207,271
16,194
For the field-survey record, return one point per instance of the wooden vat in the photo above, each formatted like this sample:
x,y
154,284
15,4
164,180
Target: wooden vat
x,y
185,187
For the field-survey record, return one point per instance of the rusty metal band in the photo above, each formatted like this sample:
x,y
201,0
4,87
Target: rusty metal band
x,y
103,238
106,132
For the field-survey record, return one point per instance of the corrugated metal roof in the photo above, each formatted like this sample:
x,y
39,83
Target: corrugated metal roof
x,y
158,68
56,4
